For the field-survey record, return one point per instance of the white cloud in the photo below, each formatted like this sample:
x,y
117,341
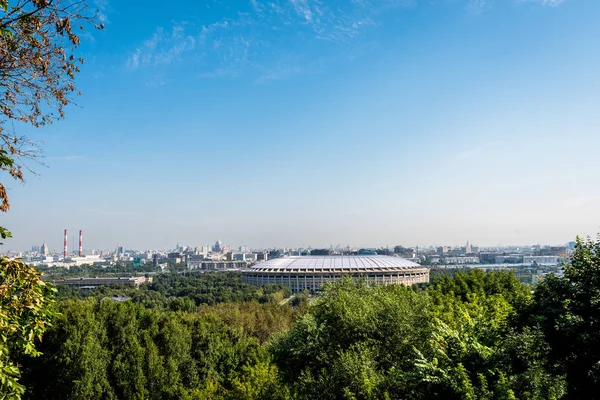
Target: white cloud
x,y
302,8
251,40
134,60
163,47
102,8
551,3
257,40
479,6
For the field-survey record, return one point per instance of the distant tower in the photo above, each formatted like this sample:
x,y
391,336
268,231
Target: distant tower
x,y
80,243
66,247
44,249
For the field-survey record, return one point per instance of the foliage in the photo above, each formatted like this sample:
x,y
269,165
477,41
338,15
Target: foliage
x,y
453,341
352,341
213,288
469,335
567,312
463,284
38,41
258,382
192,289
474,351
123,350
25,313
4,233
436,274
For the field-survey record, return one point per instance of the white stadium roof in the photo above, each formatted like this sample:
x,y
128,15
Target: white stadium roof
x,y
350,264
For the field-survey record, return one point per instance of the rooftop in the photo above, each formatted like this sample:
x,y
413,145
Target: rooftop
x,y
335,263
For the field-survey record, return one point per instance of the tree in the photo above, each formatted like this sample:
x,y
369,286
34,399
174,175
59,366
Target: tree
x,y
356,342
25,313
567,310
38,41
475,350
451,341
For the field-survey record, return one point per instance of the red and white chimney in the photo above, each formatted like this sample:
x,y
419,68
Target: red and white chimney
x,y
66,249
80,243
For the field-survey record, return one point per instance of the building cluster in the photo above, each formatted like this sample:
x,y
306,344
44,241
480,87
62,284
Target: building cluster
x,y
219,256
90,283
512,255
303,268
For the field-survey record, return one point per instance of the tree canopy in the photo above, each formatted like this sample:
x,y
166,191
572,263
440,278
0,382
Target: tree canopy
x,y
567,312
38,64
25,314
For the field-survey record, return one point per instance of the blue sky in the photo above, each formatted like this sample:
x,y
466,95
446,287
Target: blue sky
x,y
306,123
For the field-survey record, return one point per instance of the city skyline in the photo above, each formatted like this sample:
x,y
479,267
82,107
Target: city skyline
x,y
297,123
73,248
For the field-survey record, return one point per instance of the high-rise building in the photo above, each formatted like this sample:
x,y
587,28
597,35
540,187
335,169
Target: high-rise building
x,y
218,247
319,252
44,249
442,250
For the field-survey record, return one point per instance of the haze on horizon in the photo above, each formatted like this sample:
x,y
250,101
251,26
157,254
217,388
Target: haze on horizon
x,y
297,123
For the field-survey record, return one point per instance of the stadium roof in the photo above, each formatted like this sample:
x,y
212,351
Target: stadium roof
x,y
350,264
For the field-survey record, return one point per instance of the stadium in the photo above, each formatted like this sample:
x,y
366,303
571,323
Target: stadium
x,y
311,272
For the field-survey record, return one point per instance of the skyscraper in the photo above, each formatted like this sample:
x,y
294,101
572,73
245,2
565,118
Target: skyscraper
x,y
44,249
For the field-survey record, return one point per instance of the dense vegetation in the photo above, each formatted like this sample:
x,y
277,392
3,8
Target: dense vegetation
x,y
471,335
192,289
25,313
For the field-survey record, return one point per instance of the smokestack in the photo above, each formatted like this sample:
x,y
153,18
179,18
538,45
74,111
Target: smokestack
x,y
80,243
65,252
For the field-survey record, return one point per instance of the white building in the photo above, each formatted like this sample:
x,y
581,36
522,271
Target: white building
x,y
461,260
541,260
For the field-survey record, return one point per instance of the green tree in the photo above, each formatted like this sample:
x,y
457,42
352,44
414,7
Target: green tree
x,y
567,311
475,351
25,313
101,349
454,340
356,342
258,382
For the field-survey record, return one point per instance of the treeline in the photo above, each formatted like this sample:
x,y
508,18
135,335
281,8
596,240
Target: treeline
x,y
122,350
186,291
125,269
469,336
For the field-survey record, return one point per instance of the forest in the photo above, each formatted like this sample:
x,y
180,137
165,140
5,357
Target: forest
x,y
468,335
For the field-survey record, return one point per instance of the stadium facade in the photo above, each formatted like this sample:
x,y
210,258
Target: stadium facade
x,y
311,272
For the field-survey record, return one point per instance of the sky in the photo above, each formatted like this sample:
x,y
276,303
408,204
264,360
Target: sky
x,y
296,123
